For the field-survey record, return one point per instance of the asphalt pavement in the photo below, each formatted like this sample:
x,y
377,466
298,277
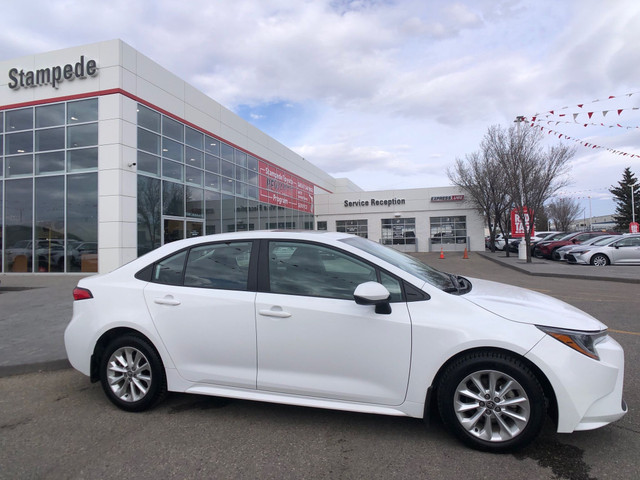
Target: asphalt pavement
x,y
35,309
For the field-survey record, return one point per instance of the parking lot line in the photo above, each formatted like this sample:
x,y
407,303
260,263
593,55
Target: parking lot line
x,y
622,331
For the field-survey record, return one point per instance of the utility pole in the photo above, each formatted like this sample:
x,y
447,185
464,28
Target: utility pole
x,y
633,206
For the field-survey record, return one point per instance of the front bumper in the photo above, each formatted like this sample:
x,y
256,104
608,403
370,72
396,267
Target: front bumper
x,y
571,258
588,392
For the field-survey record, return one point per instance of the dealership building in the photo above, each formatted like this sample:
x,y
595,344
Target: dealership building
x,y
105,155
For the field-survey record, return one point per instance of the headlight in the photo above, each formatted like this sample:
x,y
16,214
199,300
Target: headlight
x,y
583,342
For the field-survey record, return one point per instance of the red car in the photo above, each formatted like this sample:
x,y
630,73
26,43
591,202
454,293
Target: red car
x,y
546,249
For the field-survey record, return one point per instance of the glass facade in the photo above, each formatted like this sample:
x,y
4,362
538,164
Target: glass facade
x,y
49,187
192,184
355,227
398,231
448,230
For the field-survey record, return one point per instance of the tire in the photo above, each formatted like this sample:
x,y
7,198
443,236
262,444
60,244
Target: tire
x,y
132,374
599,260
491,402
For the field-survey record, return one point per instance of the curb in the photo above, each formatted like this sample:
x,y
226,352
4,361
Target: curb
x,y
558,275
50,366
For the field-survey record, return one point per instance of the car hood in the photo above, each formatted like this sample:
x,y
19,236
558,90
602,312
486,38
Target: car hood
x,y
526,306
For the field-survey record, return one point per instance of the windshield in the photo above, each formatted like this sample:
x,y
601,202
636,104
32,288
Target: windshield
x,y
554,236
443,281
604,240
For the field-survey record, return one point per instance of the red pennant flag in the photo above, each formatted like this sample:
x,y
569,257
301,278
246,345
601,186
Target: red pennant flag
x,y
580,105
551,112
612,96
620,111
590,114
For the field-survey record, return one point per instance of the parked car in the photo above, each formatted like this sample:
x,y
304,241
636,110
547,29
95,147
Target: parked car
x,y
499,242
623,250
546,248
514,245
561,253
333,320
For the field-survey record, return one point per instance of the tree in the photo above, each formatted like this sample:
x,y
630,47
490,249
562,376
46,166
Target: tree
x,y
481,177
532,174
563,211
622,198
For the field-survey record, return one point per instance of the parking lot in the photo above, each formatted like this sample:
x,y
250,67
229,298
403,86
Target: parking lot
x,y
56,424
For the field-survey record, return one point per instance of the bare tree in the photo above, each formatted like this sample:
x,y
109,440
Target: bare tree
x,y
481,177
563,211
532,174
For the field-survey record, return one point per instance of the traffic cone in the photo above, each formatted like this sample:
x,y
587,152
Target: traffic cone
x,y
466,255
441,254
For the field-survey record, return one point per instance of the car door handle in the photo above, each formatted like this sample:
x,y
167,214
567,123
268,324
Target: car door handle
x,y
274,312
167,300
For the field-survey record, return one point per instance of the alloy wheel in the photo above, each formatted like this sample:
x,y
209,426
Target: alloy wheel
x,y
129,374
491,406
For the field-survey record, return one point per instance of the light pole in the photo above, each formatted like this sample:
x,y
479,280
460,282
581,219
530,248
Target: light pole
x,y
633,206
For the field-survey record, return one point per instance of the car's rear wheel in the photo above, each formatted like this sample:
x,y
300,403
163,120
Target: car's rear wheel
x,y
132,374
599,260
491,401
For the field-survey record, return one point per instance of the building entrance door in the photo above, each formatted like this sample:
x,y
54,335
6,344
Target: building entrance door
x,y
179,228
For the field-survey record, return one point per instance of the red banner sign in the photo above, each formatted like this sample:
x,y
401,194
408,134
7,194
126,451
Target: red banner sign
x,y
282,188
634,227
517,227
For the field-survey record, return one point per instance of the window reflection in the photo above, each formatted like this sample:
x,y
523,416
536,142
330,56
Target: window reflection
x,y
49,162
50,139
83,159
148,118
50,115
149,215
82,135
18,251
172,199
19,165
83,111
82,220
16,143
49,223
19,119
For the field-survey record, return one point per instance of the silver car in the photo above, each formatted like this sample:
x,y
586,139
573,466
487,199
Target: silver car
x,y
562,252
624,250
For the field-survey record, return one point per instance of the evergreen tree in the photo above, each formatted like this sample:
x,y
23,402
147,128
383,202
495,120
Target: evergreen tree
x,y
622,197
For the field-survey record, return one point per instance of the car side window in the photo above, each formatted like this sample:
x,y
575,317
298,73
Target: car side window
x,y
393,285
221,266
169,271
629,242
314,270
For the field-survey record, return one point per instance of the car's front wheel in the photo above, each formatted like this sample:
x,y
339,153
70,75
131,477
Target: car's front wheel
x,y
599,260
132,374
491,401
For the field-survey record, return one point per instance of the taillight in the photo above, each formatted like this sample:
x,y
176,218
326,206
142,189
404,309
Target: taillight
x,y
81,293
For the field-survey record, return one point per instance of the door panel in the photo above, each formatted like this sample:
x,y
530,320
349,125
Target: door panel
x,y
332,348
210,334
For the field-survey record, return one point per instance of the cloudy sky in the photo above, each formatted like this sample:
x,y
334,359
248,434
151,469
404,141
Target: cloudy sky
x,y
387,93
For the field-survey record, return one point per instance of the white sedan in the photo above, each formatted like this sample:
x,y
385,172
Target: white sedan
x,y
336,321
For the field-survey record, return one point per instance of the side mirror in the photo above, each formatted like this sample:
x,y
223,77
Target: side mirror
x,y
373,293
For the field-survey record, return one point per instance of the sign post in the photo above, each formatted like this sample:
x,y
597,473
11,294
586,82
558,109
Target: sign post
x,y
518,229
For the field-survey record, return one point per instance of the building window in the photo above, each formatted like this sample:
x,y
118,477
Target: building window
x,y
322,225
398,231
203,185
354,227
448,230
48,171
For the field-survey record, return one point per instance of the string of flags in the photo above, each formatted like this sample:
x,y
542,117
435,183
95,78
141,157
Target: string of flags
x,y
584,117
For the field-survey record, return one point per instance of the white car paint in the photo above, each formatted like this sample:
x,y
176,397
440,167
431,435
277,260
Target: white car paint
x,y
334,353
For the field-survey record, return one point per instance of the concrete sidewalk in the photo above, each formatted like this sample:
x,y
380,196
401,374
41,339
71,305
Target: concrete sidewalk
x,y
35,309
